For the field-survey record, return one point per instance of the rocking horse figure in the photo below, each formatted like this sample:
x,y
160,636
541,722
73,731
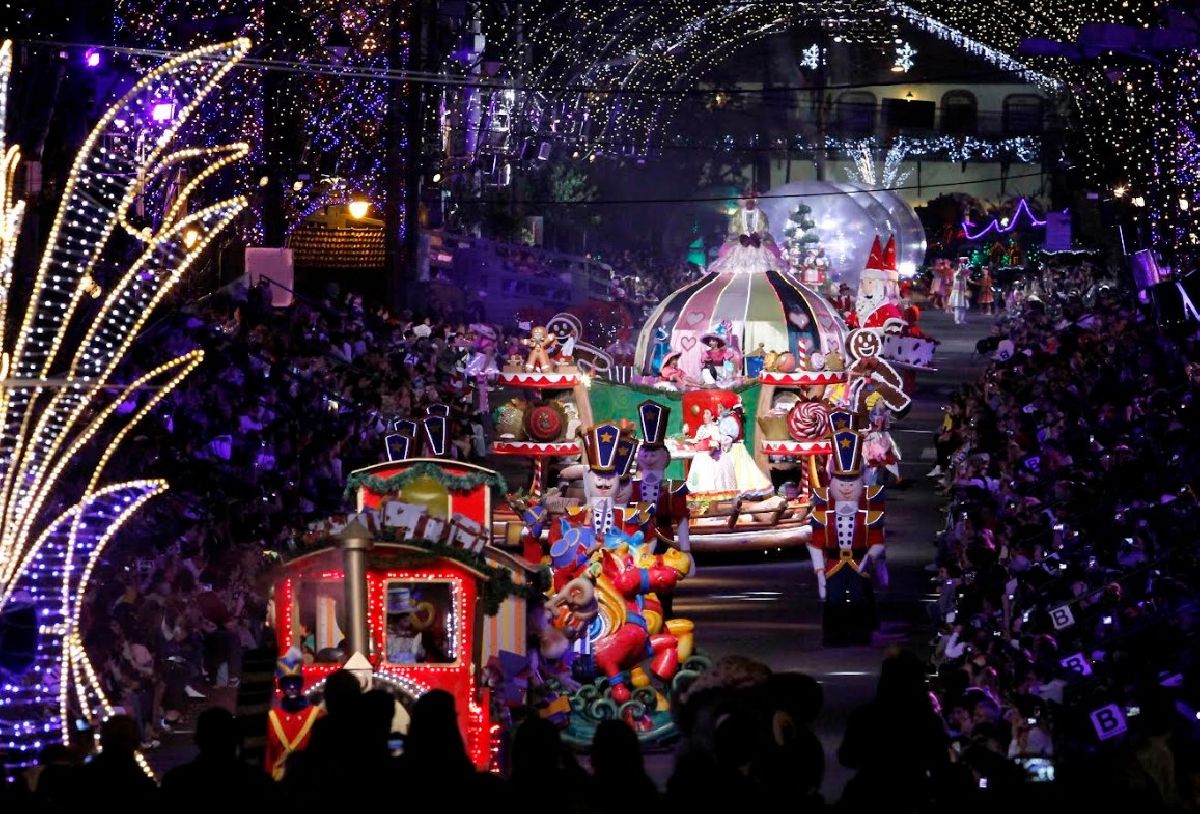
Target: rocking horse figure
x,y
624,583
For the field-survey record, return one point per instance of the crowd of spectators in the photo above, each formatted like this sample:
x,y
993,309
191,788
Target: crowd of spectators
x,y
1067,569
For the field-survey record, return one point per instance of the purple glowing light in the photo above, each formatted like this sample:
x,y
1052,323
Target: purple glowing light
x,y
91,58
162,111
995,226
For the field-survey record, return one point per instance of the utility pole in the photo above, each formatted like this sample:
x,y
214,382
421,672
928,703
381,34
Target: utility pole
x,y
397,260
276,18
411,116
820,156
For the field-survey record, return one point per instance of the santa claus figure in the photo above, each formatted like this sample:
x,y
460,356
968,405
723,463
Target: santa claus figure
x,y
847,541
877,304
290,722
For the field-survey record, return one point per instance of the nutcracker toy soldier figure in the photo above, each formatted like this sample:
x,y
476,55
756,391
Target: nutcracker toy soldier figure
x,y
847,540
290,723
604,518
669,498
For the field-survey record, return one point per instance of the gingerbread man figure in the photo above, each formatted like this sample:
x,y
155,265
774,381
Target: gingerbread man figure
x,y
539,343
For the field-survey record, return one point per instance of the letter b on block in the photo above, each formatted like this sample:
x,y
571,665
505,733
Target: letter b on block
x,y
1109,722
1062,617
1077,663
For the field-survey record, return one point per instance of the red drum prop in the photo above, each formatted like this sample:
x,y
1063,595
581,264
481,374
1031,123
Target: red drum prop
x,y
545,422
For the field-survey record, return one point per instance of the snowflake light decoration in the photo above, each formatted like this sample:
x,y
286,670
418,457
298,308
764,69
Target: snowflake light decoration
x,y
811,57
905,56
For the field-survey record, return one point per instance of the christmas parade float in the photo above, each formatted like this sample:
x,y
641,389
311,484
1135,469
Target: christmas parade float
x,y
610,645
719,348
408,592
730,451
411,594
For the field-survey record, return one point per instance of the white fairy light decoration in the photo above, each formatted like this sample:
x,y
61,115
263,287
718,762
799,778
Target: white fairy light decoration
x,y
57,394
869,173
811,57
905,56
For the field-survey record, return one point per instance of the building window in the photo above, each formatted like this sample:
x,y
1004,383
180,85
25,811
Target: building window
x,y
856,113
1023,113
960,112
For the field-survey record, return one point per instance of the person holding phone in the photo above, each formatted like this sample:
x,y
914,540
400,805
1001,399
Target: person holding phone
x,y
1029,736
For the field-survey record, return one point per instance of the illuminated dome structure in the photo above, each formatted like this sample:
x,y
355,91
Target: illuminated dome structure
x,y
766,307
848,217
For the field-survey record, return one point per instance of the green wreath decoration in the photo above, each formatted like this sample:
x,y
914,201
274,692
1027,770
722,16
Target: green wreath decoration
x,y
455,483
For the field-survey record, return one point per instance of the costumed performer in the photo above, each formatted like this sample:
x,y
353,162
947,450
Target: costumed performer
x,y
718,364
604,518
987,296
669,498
670,375
707,472
844,301
959,298
290,721
747,477
880,450
847,542
404,643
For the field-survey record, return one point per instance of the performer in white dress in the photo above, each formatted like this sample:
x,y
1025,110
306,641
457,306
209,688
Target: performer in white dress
x,y
711,469
747,477
959,299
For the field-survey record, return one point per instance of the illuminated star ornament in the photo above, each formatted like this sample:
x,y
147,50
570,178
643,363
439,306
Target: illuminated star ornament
x,y
66,404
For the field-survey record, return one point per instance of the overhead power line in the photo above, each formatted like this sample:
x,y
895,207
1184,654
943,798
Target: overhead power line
x,y
440,78
763,196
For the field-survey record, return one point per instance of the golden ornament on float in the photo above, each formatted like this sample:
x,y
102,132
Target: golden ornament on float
x,y
427,492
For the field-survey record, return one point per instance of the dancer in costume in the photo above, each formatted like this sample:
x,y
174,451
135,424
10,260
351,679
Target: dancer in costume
x,y
880,450
747,477
290,723
959,300
707,474
847,543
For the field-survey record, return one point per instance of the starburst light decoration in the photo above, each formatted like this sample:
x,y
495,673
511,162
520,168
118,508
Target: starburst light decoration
x,y
870,174
67,401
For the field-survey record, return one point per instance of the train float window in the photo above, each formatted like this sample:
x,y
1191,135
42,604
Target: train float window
x,y
420,623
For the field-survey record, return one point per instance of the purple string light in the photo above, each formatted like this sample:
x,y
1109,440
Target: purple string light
x,y
995,226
